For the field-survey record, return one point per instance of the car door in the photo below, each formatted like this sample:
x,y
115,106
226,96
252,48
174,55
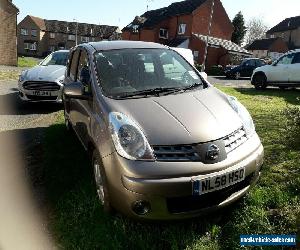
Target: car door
x,y
71,76
80,110
279,72
294,69
248,68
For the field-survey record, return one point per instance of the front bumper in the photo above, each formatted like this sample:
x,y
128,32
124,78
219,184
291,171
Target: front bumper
x,y
29,95
170,197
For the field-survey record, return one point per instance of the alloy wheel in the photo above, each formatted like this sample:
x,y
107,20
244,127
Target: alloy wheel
x,y
237,75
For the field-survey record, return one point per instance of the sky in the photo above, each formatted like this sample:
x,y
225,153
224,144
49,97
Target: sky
x,y
121,13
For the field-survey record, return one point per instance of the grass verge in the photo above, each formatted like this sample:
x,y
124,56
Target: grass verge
x,y
9,74
27,62
78,222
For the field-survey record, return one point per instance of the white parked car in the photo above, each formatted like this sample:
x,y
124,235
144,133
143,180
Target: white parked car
x,y
44,82
284,72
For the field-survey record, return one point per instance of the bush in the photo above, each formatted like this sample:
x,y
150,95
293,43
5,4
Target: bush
x,y
292,128
199,67
216,70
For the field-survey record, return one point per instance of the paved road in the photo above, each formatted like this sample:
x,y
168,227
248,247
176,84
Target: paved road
x,y
22,200
15,115
243,82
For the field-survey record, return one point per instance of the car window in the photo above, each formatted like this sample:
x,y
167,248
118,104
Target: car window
x,y
173,69
73,65
260,63
249,63
296,58
83,69
142,69
56,58
285,60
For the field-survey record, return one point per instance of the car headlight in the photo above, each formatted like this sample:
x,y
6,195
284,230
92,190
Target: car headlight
x,y
21,78
129,140
243,114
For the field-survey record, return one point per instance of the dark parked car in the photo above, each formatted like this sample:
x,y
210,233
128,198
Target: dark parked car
x,y
245,69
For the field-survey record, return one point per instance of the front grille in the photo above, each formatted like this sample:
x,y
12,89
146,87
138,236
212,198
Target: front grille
x,y
41,98
194,203
42,86
196,152
234,140
176,153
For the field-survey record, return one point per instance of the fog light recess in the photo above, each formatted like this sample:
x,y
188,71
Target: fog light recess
x,y
141,207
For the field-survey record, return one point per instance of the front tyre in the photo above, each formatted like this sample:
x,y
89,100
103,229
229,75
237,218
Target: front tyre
x,y
101,183
260,81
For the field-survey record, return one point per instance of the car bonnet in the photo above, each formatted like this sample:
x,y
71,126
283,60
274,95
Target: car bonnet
x,y
192,117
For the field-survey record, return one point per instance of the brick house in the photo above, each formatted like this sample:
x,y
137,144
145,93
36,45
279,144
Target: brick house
x,y
186,24
8,33
270,47
38,37
288,30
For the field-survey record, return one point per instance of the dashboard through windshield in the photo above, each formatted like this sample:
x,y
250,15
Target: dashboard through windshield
x,y
127,72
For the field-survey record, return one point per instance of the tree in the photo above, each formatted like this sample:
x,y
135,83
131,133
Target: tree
x,y
256,29
239,28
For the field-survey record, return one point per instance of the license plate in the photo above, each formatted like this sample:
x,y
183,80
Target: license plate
x,y
217,182
41,93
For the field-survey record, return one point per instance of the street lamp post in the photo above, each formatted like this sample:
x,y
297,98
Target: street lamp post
x,y
209,32
76,31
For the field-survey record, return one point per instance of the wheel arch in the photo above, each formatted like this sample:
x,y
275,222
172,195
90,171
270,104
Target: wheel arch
x,y
259,73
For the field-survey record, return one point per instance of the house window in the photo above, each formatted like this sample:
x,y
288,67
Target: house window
x,y
181,29
84,39
71,37
52,35
196,55
24,32
272,36
135,28
52,48
34,33
30,46
163,33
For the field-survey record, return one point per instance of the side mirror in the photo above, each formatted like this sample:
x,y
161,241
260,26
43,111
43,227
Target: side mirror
x,y
75,90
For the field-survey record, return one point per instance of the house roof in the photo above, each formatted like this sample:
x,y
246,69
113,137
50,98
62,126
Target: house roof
x,y
83,29
262,44
230,46
13,5
287,24
153,17
177,41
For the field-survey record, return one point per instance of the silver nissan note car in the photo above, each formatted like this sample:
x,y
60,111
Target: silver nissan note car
x,y
164,143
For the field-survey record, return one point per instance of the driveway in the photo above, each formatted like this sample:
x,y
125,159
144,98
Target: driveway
x,y
222,80
21,182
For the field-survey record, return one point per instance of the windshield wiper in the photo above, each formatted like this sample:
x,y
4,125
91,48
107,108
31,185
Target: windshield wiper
x,y
148,92
193,86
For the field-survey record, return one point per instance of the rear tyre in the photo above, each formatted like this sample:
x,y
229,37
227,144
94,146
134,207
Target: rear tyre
x,y
101,183
260,82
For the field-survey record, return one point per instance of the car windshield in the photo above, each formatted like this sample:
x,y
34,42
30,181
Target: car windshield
x,y
56,58
127,72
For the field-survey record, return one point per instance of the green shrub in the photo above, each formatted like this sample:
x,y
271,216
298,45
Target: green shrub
x,y
292,128
216,70
199,67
